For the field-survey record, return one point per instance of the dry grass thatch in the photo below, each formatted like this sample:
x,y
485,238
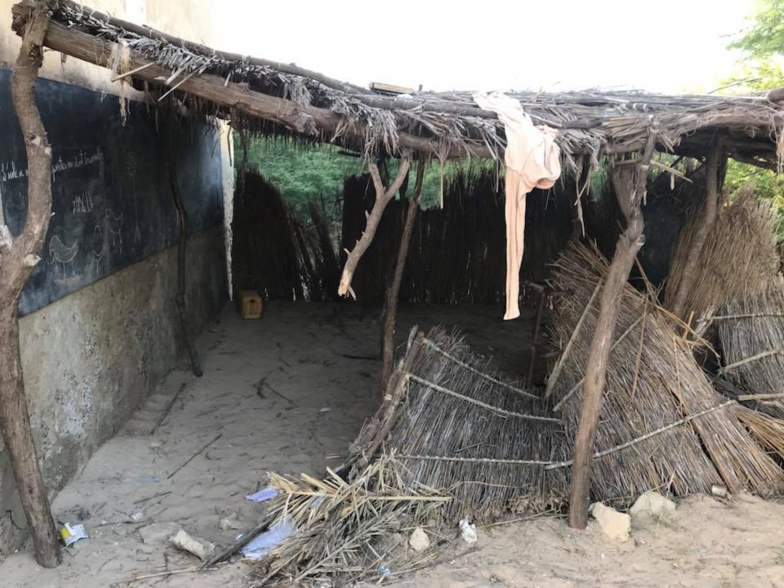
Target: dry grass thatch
x,y
751,336
738,259
652,380
590,122
481,438
348,532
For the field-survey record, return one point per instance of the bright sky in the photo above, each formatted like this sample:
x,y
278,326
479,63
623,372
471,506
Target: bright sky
x,y
665,46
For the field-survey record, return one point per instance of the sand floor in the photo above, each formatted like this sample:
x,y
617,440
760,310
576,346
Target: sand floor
x,y
288,393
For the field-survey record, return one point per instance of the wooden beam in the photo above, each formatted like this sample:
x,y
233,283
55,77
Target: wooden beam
x,y
18,256
393,292
304,120
630,187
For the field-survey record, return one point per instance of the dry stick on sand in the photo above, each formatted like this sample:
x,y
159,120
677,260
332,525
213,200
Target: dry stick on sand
x,y
194,456
630,190
391,303
383,197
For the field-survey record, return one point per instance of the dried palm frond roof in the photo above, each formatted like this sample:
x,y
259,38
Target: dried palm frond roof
x,y
446,124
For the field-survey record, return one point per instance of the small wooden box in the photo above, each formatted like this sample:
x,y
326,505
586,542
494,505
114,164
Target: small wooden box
x,y
249,303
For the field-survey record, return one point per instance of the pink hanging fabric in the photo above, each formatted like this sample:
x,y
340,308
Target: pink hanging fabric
x,y
533,160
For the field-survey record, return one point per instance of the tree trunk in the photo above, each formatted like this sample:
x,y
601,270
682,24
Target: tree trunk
x,y
678,306
629,182
18,256
391,302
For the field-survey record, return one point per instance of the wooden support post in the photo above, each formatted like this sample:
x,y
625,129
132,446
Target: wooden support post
x,y
630,185
701,235
392,294
383,197
18,257
182,250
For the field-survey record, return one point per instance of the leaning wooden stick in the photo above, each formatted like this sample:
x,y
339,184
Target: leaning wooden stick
x,y
551,381
383,197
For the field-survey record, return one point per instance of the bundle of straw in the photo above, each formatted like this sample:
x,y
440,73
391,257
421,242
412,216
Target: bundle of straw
x,y
653,381
738,258
347,532
483,439
751,336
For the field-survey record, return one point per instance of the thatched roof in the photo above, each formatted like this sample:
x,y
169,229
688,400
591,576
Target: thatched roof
x,y
447,124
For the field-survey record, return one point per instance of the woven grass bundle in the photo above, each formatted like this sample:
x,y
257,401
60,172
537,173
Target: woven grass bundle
x,y
738,259
481,438
751,336
652,381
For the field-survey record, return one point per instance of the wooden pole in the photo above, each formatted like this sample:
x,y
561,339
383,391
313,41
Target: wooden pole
x,y
629,183
393,292
182,251
18,257
383,197
701,235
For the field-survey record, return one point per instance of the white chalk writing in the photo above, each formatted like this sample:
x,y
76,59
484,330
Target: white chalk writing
x,y
82,203
9,171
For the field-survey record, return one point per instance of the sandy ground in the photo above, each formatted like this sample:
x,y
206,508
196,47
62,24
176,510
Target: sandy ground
x,y
288,393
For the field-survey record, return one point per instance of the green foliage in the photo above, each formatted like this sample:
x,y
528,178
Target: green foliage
x,y
762,67
304,172
766,35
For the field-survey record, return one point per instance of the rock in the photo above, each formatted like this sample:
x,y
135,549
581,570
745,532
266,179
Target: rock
x,y
419,541
651,507
158,532
468,531
231,523
201,548
616,525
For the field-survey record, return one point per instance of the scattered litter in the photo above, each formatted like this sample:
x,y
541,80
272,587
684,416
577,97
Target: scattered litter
x,y
616,525
325,410
269,540
468,531
201,548
419,541
651,507
70,534
384,570
719,491
262,495
230,523
137,517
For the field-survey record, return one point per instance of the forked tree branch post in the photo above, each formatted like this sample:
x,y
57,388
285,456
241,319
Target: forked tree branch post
x,y
18,257
182,255
709,211
393,292
383,197
630,186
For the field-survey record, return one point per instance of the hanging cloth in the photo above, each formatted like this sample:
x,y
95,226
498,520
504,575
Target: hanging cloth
x,y
533,160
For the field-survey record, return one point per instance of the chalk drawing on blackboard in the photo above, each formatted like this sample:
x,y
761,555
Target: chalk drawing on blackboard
x,y
62,253
82,203
99,246
114,223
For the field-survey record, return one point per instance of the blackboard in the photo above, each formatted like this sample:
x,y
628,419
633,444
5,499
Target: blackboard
x,y
111,196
